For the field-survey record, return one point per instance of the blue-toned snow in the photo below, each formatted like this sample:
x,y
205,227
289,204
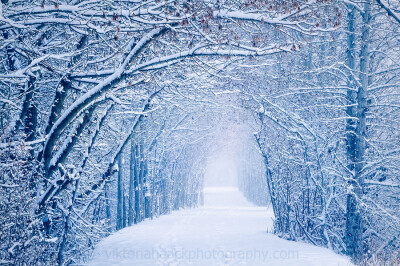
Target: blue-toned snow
x,y
227,230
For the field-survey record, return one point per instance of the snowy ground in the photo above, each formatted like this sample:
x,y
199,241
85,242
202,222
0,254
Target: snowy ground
x,y
226,231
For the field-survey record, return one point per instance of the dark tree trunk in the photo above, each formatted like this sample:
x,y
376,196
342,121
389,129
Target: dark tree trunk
x,y
137,185
131,198
120,195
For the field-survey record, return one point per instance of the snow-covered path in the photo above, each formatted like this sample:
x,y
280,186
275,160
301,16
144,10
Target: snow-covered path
x,y
226,231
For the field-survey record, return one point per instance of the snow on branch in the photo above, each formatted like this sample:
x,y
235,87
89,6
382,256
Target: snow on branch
x,y
389,10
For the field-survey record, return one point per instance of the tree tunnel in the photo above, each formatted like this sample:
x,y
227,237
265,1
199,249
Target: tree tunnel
x,y
115,113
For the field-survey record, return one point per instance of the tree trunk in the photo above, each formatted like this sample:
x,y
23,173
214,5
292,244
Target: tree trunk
x,y
120,195
108,206
131,199
356,146
137,185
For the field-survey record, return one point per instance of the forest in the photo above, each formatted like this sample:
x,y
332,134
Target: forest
x,y
111,109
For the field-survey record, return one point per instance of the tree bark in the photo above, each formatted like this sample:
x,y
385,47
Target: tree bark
x,y
356,148
131,197
120,195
